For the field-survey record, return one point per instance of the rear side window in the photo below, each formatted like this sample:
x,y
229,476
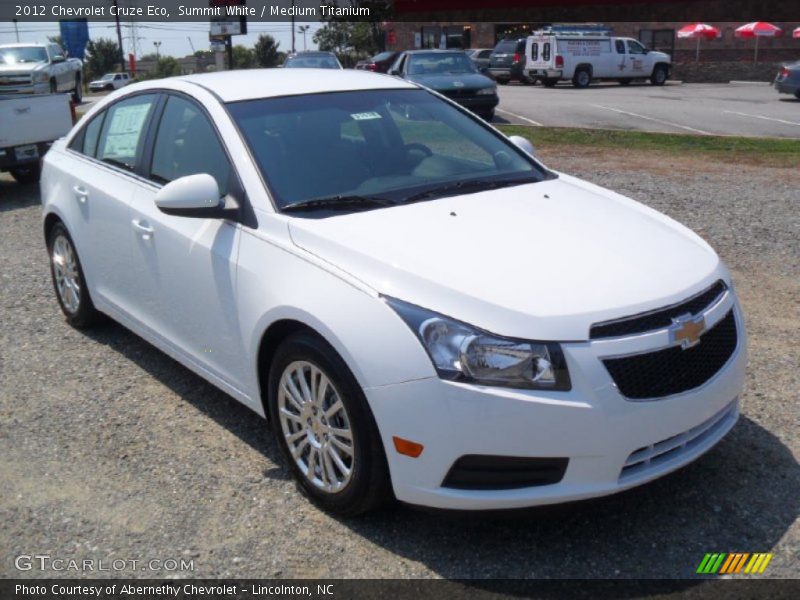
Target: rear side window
x,y
546,51
535,51
186,144
121,139
620,46
86,141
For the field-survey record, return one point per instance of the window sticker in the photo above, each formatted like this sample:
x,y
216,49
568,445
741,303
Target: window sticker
x,y
365,116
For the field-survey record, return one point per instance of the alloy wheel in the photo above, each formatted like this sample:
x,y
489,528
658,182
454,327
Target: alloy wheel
x,y
65,269
316,426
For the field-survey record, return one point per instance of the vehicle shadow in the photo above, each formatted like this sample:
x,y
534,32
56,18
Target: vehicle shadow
x,y
740,497
14,196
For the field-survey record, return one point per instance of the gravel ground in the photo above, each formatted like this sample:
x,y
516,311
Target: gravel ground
x,y
111,450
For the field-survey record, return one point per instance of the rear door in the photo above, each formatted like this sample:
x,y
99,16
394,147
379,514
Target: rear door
x,y
540,53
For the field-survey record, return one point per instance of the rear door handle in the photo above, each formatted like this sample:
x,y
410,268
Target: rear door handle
x,y
81,193
143,228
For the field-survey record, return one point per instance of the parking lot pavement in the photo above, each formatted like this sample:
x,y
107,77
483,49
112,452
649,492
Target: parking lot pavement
x,y
747,109
109,449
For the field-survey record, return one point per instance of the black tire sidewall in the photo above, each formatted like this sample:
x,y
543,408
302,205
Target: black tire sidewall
x,y
368,485
659,76
577,78
86,313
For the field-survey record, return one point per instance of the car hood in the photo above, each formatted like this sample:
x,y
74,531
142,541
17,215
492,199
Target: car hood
x,y
444,82
539,261
100,81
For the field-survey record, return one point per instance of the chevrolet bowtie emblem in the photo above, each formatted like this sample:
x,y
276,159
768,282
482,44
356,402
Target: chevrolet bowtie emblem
x,y
687,330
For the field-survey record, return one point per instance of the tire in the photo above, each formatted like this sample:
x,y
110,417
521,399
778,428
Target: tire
x,y
27,175
549,82
53,86
109,88
77,93
797,94
503,81
367,484
625,81
69,282
659,76
582,78
527,81
487,116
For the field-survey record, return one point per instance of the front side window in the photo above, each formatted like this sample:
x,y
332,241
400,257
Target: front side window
x,y
620,45
121,138
186,144
635,47
390,144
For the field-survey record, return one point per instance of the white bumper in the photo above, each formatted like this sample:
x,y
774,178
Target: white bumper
x,y
592,425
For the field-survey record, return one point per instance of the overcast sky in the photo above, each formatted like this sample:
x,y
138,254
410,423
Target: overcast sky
x,y
174,37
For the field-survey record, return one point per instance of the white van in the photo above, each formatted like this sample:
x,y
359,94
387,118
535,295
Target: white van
x,y
583,57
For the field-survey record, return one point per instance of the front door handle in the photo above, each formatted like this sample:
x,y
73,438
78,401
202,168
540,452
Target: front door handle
x,y
143,228
81,193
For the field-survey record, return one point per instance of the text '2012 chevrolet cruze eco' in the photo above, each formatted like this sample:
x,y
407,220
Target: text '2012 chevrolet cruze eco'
x,y
418,306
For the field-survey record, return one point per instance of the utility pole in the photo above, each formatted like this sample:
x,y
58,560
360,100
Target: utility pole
x,y
119,37
293,50
16,29
158,47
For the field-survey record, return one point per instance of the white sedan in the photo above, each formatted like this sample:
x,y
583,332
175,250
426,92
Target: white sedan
x,y
417,305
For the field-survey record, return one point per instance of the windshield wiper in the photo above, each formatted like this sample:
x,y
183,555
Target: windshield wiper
x,y
470,186
340,202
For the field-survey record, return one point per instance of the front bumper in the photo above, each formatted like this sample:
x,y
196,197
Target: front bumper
x,y
478,104
593,425
28,88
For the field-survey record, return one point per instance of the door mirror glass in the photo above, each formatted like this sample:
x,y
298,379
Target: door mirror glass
x,y
190,196
523,144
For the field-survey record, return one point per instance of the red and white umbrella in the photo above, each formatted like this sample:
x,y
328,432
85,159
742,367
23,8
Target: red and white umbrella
x,y
699,31
796,33
758,29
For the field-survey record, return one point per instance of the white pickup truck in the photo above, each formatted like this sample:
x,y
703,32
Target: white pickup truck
x,y
582,58
30,125
39,69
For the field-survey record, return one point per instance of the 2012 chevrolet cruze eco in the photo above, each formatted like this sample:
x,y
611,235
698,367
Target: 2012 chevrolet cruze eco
x,y
415,303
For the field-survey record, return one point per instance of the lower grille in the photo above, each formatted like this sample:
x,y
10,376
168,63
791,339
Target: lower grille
x,y
675,370
651,458
479,472
459,93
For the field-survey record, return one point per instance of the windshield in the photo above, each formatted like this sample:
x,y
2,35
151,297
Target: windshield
x,y
107,76
391,144
311,62
22,54
439,63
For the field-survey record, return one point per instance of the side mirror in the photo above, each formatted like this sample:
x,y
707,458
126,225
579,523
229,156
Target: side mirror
x,y
191,196
394,72
58,58
523,144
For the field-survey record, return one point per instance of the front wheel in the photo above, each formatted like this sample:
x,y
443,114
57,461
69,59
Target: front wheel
x,y
68,280
27,175
487,116
659,76
77,93
325,428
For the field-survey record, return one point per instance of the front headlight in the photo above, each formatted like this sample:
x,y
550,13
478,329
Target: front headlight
x,y
490,91
460,352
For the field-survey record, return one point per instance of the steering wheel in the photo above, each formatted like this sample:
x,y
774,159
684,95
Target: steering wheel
x,y
420,147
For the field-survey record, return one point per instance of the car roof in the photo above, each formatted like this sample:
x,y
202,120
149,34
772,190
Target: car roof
x,y
435,51
233,86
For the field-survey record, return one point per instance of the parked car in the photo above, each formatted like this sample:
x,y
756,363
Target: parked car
x,y
580,58
110,81
452,74
419,306
480,57
39,69
312,60
507,62
30,125
379,63
788,80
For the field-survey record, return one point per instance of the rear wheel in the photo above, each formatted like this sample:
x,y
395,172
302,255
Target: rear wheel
x,y
488,116
582,78
53,86
325,428
502,81
549,82
68,280
659,76
27,175
77,93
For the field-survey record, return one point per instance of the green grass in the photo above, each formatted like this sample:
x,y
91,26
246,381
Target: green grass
x,y
762,151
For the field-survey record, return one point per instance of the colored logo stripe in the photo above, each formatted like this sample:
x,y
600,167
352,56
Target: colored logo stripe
x,y
723,563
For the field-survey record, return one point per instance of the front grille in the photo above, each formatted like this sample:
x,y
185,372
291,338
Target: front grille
x,y
14,80
481,472
682,446
657,319
459,93
675,370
